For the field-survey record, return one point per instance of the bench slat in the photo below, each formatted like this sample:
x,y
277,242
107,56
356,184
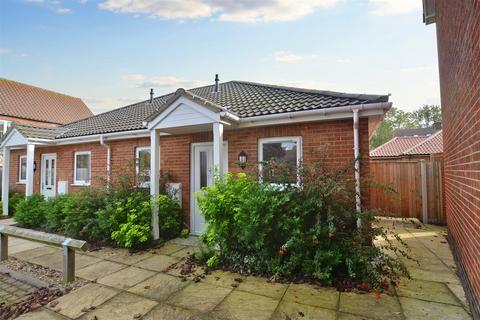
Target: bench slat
x,y
43,237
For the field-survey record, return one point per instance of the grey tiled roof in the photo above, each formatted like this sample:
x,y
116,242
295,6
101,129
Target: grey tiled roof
x,y
36,132
245,99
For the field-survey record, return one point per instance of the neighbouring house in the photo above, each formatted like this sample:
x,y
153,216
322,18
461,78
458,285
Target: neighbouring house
x,y
458,40
410,164
25,104
188,133
407,145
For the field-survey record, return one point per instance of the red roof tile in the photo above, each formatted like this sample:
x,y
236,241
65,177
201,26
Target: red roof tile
x,y
433,144
24,101
396,146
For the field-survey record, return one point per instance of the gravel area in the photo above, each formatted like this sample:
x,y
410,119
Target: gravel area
x,y
40,296
47,275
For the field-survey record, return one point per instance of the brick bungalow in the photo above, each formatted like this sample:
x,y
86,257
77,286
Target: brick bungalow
x,y
458,39
188,133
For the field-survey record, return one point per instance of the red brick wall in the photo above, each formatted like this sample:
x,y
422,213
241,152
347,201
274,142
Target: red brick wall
x,y
175,153
458,34
26,121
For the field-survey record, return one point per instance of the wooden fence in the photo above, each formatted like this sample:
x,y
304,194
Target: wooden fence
x,y
410,189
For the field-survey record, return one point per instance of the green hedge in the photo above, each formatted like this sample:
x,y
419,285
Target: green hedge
x,y
290,231
109,216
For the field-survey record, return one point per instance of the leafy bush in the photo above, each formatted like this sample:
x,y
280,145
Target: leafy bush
x,y
14,198
79,212
55,212
289,231
169,217
30,212
136,231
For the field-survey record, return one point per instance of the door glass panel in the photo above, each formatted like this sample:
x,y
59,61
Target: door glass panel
x,y
45,176
203,169
52,170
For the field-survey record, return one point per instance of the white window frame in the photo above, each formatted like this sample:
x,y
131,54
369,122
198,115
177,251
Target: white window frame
x,y
6,125
262,141
20,180
82,182
145,184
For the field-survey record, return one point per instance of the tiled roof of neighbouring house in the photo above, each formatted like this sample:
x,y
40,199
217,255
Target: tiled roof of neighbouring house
x,y
24,101
433,144
245,99
409,145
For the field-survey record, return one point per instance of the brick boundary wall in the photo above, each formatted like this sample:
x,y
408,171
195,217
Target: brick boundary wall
x,y
458,39
473,302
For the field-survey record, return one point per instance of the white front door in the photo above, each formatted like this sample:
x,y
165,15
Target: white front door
x,y
48,175
202,176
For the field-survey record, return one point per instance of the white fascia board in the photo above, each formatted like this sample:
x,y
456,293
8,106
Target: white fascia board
x,y
338,113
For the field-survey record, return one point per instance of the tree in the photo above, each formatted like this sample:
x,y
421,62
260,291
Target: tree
x,y
427,115
395,119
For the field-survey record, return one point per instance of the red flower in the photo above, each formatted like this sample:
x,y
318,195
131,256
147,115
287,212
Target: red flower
x,y
377,295
353,242
330,235
362,285
283,251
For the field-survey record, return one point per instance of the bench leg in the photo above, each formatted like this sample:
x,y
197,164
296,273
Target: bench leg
x,y
68,264
3,247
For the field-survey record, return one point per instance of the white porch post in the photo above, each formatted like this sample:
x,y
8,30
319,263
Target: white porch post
x,y
30,164
155,178
218,147
5,178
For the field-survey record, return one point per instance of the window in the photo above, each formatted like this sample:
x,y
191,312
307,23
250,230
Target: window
x,y
143,167
82,168
4,127
279,159
22,169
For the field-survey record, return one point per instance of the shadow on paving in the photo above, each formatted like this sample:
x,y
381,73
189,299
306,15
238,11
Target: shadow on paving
x,y
144,286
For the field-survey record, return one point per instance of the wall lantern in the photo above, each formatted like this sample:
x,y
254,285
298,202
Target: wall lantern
x,y
34,166
242,159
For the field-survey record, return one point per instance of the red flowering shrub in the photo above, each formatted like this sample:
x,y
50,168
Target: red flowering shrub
x,y
306,230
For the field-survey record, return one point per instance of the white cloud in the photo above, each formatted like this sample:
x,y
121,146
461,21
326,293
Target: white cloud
x,y
287,57
291,57
223,10
102,104
4,50
166,82
62,10
34,1
391,7
418,69
133,77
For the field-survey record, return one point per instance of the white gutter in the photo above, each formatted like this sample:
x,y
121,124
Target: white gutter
x,y
109,156
356,155
112,136
379,106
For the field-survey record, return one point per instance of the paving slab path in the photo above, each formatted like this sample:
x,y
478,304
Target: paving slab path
x,y
143,286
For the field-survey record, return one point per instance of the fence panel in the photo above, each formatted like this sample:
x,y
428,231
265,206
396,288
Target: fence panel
x,y
397,188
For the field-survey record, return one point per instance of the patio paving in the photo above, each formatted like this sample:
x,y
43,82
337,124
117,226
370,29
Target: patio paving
x,y
139,286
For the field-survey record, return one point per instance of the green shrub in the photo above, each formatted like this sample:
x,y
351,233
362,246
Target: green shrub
x,y
14,198
55,215
80,212
169,217
31,211
136,231
289,231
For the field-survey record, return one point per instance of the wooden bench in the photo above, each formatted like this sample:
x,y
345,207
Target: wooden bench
x,y
69,246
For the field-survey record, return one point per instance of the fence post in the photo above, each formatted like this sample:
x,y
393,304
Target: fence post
x,y
423,173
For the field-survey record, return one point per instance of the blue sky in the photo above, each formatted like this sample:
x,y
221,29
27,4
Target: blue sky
x,y
110,52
